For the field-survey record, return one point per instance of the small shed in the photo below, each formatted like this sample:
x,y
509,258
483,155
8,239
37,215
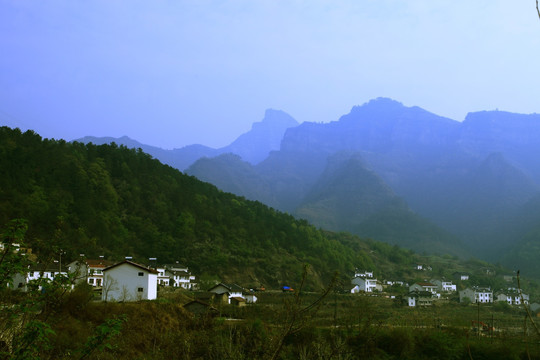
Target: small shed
x,y
200,308
238,301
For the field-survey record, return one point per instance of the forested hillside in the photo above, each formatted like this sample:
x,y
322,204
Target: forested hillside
x,y
113,201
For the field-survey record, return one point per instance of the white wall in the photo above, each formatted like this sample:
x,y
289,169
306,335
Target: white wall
x,y
122,282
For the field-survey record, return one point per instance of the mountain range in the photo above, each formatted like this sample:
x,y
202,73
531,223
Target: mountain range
x,y
253,146
390,172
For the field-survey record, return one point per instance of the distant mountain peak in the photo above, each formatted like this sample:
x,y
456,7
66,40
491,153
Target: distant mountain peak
x,y
384,101
124,140
378,104
386,109
502,118
275,118
265,136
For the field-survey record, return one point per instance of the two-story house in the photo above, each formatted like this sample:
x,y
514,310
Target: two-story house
x,y
365,284
424,286
512,297
444,286
37,273
89,270
476,295
129,281
179,276
419,298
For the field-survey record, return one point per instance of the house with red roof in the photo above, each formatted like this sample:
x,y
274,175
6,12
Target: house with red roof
x,y
89,270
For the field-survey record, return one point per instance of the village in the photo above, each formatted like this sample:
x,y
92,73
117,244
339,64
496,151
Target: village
x,y
128,281
427,292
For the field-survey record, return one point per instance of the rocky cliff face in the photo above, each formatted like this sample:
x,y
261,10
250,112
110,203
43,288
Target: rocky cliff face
x,y
381,126
265,136
516,136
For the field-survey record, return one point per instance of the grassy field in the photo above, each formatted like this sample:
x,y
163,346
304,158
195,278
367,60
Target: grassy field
x,y
279,326
355,309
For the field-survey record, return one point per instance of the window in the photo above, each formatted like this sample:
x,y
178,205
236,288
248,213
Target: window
x,y
140,289
141,274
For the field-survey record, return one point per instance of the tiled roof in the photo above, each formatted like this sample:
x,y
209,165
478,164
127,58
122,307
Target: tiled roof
x,y
142,267
98,263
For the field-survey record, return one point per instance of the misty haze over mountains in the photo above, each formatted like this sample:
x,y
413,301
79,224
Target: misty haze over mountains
x,y
394,173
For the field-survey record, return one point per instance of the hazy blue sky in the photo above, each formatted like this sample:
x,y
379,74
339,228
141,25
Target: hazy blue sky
x,y
174,73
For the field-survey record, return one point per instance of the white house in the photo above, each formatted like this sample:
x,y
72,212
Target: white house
x,y
89,270
424,286
512,297
36,272
181,279
419,298
180,276
461,276
163,278
128,281
444,286
230,291
476,295
364,284
250,298
365,274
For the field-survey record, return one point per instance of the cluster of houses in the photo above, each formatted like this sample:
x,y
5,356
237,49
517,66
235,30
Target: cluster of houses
x,y
129,281
121,281
425,293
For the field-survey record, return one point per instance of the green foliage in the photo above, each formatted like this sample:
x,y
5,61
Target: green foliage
x,y
502,306
113,201
33,341
12,258
103,334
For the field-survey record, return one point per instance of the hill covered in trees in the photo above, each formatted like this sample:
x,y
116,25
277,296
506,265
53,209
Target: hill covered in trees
x,y
114,201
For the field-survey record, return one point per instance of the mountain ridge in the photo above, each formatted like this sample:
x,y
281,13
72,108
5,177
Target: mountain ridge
x,y
433,163
252,146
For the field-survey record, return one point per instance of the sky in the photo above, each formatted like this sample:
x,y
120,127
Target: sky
x,y
175,73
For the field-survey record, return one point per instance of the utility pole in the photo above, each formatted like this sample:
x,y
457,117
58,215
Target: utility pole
x,y
60,263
